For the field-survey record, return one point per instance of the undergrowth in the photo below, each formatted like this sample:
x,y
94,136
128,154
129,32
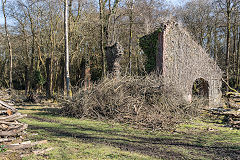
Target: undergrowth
x,y
141,101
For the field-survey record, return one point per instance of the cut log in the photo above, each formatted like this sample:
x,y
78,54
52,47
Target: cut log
x,y
3,126
13,117
14,132
6,140
3,111
14,127
5,105
9,112
235,122
10,128
9,123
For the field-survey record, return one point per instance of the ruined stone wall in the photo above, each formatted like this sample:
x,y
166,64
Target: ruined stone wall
x,y
113,56
172,52
184,61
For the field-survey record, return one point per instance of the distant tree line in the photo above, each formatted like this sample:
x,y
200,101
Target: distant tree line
x,y
32,43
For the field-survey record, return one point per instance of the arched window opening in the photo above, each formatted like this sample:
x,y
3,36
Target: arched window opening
x,y
200,89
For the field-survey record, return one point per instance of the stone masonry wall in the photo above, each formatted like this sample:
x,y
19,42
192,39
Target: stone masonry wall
x,y
184,61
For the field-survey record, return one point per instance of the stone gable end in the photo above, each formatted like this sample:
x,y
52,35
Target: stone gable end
x,y
181,61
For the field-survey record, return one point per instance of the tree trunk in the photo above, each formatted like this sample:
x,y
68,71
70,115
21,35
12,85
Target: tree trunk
x,y
238,55
87,76
130,37
30,73
228,42
209,39
101,38
62,83
49,78
9,43
26,80
66,48
235,51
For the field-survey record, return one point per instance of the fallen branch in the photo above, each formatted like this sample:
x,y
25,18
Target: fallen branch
x,y
24,145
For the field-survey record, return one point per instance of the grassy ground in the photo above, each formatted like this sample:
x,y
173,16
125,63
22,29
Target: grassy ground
x,y
70,138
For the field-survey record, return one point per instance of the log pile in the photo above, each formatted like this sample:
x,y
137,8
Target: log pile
x,y
10,128
234,115
231,116
232,112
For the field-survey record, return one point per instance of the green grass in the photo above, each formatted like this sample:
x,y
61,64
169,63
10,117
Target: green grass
x,y
72,138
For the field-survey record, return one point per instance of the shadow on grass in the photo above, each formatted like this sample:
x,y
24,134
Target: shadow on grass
x,y
155,147
28,105
142,147
48,111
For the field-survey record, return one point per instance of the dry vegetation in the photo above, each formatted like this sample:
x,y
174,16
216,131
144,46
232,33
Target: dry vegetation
x,y
142,101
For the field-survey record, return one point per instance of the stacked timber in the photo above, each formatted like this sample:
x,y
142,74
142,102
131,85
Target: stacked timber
x,y
231,112
233,100
10,128
231,116
234,114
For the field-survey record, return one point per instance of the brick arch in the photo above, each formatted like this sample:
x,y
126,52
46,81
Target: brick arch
x,y
181,61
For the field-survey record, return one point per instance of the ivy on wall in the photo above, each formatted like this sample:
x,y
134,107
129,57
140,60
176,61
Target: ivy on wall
x,y
149,45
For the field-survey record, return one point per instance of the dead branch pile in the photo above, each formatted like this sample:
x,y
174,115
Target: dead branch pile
x,y
10,128
142,101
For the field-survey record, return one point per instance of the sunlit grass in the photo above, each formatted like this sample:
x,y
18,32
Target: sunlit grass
x,y
73,138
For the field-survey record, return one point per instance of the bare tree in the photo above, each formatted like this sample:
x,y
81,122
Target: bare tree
x,y
227,8
130,35
228,38
101,13
66,48
9,43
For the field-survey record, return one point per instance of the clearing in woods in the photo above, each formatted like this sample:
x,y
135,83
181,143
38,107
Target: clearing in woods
x,y
71,138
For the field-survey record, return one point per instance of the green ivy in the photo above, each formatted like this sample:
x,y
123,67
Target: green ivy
x,y
2,149
148,44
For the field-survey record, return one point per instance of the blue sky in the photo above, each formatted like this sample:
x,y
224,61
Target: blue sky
x,y
177,2
1,16
173,2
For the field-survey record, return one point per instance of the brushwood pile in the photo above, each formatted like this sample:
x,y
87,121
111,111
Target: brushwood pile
x,y
139,101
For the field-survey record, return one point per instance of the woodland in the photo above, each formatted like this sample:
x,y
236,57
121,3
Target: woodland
x,y
33,43
58,99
